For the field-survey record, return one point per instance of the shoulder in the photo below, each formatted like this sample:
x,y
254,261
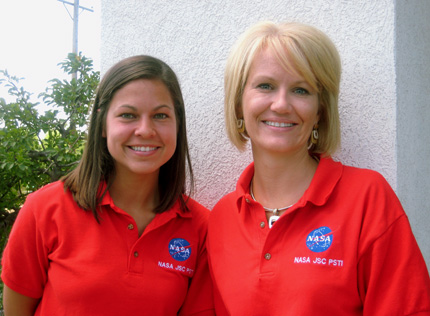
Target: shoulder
x,y
44,212
369,191
362,173
198,212
366,179
47,203
355,178
226,210
195,207
364,193
369,188
227,201
233,199
49,192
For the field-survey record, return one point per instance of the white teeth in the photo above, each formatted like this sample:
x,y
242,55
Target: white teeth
x,y
142,148
277,124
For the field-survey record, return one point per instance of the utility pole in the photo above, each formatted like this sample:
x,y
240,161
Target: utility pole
x,y
75,19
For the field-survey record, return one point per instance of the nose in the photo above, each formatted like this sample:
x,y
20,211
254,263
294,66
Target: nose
x,y
145,127
281,101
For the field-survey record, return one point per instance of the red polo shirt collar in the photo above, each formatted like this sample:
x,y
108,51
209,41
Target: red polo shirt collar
x,y
323,183
159,219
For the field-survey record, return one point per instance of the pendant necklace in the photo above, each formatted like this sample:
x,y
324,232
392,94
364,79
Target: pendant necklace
x,y
275,211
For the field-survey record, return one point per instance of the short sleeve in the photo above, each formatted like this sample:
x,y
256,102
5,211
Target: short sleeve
x,y
25,258
393,278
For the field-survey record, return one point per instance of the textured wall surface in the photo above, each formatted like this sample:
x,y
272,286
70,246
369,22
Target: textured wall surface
x,y
413,115
195,36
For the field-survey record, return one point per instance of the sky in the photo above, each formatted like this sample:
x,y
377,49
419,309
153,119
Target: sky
x,y
36,35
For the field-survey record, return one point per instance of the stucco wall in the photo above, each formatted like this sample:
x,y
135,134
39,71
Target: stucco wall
x,y
195,36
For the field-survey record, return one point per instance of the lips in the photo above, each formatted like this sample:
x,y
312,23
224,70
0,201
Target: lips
x,y
278,124
143,148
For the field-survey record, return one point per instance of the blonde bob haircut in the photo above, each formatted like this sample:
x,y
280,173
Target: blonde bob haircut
x,y
301,49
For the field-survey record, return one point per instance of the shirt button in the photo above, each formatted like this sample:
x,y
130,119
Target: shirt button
x,y
247,200
262,224
130,226
267,256
136,254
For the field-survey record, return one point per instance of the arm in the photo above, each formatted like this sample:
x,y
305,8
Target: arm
x,y
393,278
16,304
24,264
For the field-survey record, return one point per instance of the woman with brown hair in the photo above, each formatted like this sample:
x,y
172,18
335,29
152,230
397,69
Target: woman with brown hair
x,y
118,235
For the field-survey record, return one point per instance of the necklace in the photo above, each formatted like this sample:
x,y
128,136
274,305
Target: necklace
x,y
273,218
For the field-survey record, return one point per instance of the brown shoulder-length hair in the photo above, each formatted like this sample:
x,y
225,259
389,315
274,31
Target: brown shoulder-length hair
x,y
97,165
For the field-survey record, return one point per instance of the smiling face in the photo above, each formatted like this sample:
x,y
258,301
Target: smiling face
x,y
141,128
279,108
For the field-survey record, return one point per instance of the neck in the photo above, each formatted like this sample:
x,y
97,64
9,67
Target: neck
x,y
280,181
133,190
137,196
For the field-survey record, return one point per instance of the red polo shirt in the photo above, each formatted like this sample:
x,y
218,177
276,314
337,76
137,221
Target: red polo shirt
x,y
59,253
345,248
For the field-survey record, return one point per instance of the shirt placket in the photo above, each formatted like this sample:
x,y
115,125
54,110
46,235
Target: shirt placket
x,y
268,258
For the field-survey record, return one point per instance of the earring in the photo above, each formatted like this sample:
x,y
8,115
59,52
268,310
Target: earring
x,y
240,126
315,135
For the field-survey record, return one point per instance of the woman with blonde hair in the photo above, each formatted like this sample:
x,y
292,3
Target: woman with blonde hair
x,y
303,234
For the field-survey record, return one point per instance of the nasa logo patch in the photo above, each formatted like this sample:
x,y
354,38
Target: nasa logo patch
x,y
320,239
179,249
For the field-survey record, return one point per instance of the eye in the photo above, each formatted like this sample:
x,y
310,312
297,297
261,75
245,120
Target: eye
x,y
265,86
161,116
127,115
301,91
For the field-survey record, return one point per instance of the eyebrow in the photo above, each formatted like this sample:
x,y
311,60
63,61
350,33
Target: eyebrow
x,y
271,78
133,108
128,107
301,82
165,106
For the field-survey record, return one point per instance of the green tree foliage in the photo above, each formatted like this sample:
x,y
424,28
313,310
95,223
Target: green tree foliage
x,y
35,148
